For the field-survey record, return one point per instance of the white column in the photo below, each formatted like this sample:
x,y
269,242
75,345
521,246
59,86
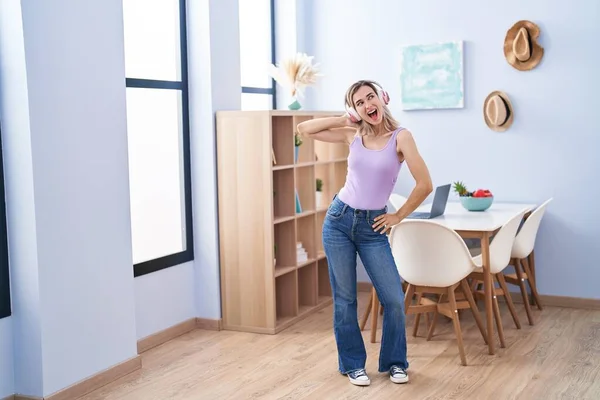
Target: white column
x,y
215,84
65,145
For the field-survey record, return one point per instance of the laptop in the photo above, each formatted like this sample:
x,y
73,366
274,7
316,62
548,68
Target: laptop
x,y
437,207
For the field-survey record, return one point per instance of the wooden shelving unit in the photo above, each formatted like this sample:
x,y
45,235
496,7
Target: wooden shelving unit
x,y
265,286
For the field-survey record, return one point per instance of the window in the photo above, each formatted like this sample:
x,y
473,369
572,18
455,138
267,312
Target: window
x,y
158,133
5,309
257,52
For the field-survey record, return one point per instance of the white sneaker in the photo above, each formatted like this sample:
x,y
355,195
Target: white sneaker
x,y
398,374
359,377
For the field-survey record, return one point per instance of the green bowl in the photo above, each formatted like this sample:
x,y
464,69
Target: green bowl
x,y
476,203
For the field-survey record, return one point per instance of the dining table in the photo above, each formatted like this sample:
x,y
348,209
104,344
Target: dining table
x,y
481,225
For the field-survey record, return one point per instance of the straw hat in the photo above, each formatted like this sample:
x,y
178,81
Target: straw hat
x,y
521,48
497,111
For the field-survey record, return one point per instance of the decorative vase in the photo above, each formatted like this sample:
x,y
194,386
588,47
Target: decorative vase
x,y
318,196
295,105
296,150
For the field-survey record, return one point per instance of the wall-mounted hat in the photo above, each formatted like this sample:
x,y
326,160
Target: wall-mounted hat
x,y
497,111
521,48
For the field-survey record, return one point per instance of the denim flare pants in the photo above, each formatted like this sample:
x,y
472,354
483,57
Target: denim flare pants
x,y
346,233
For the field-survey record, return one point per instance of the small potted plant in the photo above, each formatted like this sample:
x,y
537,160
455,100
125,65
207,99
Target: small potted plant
x,y
319,191
274,255
479,200
297,143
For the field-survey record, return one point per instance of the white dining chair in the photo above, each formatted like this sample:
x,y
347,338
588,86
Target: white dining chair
x,y
434,259
397,200
500,254
522,258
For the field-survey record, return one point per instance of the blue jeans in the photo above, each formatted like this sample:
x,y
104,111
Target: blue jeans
x,y
346,232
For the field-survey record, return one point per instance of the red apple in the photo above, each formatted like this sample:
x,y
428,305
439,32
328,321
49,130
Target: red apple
x,y
482,193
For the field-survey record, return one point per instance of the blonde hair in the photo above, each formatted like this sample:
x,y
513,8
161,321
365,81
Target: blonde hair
x,y
365,128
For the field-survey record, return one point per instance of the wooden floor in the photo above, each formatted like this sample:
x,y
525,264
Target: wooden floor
x,y
558,358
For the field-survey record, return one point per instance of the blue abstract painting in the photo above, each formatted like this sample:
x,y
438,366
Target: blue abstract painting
x,y
431,76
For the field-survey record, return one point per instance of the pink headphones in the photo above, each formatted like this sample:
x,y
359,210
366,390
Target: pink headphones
x,y
383,96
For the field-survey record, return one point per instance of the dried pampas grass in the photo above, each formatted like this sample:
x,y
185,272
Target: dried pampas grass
x,y
296,73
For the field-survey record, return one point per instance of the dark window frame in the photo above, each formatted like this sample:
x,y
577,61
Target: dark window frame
x,y
273,89
5,303
187,255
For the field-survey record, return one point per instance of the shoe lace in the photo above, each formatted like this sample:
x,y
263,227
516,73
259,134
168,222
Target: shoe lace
x,y
358,373
397,370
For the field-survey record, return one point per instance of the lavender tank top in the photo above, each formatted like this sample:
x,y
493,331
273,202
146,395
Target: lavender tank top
x,y
371,175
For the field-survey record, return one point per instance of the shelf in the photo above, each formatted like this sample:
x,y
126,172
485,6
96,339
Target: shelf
x,y
284,270
330,161
307,262
319,234
286,289
305,235
324,285
265,287
307,286
304,214
306,187
280,167
325,173
283,140
340,170
284,238
305,163
283,194
327,152
279,220
306,152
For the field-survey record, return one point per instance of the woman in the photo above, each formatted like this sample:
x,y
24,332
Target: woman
x,y
357,220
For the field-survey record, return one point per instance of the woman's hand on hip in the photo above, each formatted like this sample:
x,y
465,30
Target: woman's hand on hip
x,y
385,222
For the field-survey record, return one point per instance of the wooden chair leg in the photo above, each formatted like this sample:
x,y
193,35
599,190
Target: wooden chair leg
x,y
417,317
456,323
498,317
521,280
531,261
365,317
467,292
531,281
432,327
374,315
434,320
410,291
508,298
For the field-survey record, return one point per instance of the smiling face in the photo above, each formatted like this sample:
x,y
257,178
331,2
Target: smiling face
x,y
368,105
374,113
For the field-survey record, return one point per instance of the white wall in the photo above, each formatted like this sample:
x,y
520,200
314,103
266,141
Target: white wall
x,y
68,193
164,298
214,85
19,175
7,376
552,142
